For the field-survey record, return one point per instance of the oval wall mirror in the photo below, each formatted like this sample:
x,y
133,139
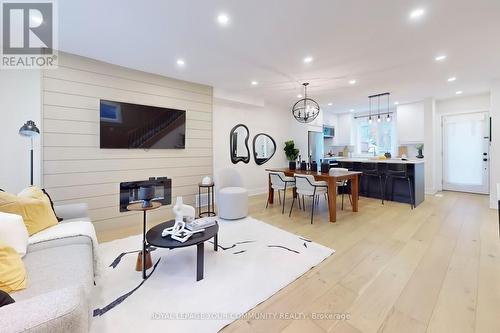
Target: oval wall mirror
x,y
264,148
238,142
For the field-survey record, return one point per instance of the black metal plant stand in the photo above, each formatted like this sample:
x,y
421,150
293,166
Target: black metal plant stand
x,y
210,200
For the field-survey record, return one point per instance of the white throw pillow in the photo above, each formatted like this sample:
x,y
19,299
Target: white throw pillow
x,y
13,232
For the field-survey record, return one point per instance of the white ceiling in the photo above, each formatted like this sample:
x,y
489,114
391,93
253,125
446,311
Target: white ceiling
x,y
373,42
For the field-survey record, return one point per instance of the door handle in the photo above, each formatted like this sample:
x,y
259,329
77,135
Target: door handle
x,y
485,159
485,154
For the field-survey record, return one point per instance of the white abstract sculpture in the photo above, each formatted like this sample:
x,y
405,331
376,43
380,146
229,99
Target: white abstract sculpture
x,y
177,209
179,224
178,231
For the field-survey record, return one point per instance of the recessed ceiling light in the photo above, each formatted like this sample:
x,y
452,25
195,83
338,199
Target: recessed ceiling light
x,y
460,92
351,110
396,103
440,57
299,96
352,82
254,83
223,19
451,79
308,59
180,62
417,13
330,104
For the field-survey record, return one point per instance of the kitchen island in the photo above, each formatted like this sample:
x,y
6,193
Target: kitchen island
x,y
397,189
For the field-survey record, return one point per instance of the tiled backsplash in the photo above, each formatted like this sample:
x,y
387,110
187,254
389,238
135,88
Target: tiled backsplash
x,y
336,149
412,150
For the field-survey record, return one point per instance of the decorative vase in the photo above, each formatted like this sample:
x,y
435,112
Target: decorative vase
x,y
206,180
387,155
314,166
420,155
303,165
292,165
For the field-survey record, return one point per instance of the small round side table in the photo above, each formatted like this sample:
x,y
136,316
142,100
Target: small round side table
x,y
144,257
210,199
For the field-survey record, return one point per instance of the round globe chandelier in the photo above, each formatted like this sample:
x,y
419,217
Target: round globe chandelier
x,y
306,109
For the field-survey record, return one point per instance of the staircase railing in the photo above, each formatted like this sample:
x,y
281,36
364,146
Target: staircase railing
x,y
139,136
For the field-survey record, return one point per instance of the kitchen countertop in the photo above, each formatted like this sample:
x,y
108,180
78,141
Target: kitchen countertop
x,y
374,160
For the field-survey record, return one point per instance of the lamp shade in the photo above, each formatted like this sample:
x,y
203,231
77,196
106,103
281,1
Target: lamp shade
x,y
29,129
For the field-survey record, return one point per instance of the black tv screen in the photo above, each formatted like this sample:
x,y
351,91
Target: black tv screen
x,y
126,125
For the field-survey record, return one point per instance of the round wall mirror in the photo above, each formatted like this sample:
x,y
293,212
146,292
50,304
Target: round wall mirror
x,y
238,142
264,148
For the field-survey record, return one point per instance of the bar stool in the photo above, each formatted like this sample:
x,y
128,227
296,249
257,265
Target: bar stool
x,y
371,170
398,171
347,165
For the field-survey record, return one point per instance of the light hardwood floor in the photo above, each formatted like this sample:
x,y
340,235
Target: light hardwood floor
x,y
432,269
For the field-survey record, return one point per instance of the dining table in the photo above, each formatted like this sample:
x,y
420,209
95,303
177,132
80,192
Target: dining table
x,y
331,178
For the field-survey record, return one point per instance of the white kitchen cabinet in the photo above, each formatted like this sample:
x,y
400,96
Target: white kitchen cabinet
x,y
343,131
410,123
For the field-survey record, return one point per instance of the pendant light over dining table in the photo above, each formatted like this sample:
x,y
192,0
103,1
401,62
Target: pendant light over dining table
x,y
306,109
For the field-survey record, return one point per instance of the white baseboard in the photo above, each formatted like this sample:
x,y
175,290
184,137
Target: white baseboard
x,y
257,191
494,205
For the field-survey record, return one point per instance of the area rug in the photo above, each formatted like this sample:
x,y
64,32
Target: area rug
x,y
254,261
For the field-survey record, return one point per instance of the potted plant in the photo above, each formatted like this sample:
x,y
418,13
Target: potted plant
x,y
420,148
291,154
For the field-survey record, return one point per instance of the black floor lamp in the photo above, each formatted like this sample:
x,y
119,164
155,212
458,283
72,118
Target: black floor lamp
x,y
30,130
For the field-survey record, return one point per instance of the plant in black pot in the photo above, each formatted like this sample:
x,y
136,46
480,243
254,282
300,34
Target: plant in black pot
x,y
291,154
420,148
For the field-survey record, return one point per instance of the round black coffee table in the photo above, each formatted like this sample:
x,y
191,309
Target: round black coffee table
x,y
154,238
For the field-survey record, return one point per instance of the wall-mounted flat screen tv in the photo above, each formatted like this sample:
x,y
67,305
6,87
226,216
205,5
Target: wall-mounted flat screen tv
x,y
134,126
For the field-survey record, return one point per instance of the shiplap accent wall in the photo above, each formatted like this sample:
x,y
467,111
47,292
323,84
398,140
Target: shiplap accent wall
x,y
75,169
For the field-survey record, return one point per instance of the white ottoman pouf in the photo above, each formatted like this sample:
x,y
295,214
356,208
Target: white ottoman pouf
x,y
232,203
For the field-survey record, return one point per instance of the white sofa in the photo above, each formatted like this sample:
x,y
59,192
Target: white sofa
x,y
60,277
232,197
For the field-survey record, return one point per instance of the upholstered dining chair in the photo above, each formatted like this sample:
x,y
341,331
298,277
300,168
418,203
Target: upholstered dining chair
x,y
342,184
232,197
307,186
280,182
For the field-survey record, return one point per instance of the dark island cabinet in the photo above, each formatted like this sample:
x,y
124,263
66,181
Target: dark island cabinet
x,y
395,189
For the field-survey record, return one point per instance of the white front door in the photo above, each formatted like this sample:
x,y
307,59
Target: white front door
x,y
466,152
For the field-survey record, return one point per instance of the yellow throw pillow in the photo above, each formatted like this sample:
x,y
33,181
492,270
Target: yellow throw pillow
x,y
33,205
12,271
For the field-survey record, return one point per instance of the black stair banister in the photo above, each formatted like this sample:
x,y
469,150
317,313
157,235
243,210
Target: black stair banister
x,y
139,136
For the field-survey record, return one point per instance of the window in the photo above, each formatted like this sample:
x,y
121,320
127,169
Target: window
x,y
376,138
